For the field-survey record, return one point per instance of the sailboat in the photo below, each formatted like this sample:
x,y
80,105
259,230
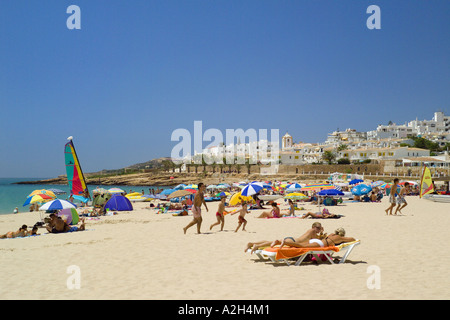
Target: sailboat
x,y
427,188
75,177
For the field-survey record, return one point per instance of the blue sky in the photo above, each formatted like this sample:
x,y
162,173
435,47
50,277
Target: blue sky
x,y
137,70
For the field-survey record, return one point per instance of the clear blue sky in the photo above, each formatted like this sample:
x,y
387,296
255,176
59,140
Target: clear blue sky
x,y
139,69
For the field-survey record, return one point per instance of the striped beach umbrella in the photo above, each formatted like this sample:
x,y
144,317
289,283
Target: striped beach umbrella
x,y
251,189
57,204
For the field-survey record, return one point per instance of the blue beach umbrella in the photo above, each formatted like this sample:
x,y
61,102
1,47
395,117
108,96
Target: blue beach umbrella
x,y
361,189
355,181
330,192
251,189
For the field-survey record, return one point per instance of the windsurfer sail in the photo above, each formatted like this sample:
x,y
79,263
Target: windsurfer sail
x,y
426,183
75,177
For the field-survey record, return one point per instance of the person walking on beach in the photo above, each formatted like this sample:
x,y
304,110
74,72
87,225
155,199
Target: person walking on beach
x,y
220,214
199,199
392,197
241,217
401,201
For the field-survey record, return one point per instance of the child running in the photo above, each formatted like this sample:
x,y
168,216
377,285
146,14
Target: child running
x,y
220,214
241,220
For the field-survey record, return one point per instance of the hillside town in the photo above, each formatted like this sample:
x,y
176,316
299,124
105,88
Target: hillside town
x,y
392,145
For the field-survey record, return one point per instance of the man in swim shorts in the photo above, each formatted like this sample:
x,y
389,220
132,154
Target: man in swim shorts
x,y
199,199
392,197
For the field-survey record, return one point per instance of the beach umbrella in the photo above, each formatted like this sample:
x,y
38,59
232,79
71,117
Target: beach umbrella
x,y
191,190
70,216
238,198
37,198
330,192
361,189
43,191
181,186
317,186
191,186
356,181
101,199
178,194
57,191
57,204
100,191
410,182
378,183
251,189
293,187
166,192
115,190
296,196
211,186
222,194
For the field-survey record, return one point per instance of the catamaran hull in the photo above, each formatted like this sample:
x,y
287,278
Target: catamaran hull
x,y
437,197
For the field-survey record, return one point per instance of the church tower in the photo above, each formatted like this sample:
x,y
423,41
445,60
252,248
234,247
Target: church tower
x,y
286,142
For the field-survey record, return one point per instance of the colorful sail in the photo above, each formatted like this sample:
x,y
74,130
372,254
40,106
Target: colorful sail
x,y
75,177
426,184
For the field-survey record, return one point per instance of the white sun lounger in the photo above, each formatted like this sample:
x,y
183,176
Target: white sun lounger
x,y
345,247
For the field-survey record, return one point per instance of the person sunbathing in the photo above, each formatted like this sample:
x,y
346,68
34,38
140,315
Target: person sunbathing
x,y
275,213
325,214
22,232
314,233
332,239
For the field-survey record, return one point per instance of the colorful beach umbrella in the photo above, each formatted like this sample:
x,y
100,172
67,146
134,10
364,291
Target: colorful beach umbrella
x,y
43,191
39,198
70,216
317,186
57,204
251,189
378,183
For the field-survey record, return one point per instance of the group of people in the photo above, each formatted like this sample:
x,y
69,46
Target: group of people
x,y
313,238
22,232
400,201
199,200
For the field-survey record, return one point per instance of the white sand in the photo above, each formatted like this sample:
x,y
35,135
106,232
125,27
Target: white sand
x,y
143,255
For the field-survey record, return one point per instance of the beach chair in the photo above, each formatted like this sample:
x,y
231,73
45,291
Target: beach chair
x,y
277,255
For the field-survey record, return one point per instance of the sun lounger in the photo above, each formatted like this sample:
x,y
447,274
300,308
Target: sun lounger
x,y
283,255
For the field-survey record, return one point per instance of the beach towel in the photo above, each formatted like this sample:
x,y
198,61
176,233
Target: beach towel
x,y
291,252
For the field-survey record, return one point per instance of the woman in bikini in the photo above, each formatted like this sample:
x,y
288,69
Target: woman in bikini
x,y
275,213
332,239
315,232
22,232
325,214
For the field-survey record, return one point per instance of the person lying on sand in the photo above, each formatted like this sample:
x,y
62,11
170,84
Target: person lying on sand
x,y
325,214
314,233
22,232
332,239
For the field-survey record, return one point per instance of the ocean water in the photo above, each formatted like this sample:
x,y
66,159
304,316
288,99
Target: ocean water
x,y
14,195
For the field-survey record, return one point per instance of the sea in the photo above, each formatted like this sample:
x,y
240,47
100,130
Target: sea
x,y
14,195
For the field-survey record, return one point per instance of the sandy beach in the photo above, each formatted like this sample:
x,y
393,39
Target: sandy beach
x,y
144,255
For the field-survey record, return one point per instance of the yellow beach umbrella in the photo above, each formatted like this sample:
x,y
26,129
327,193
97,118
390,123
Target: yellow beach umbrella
x,y
237,198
